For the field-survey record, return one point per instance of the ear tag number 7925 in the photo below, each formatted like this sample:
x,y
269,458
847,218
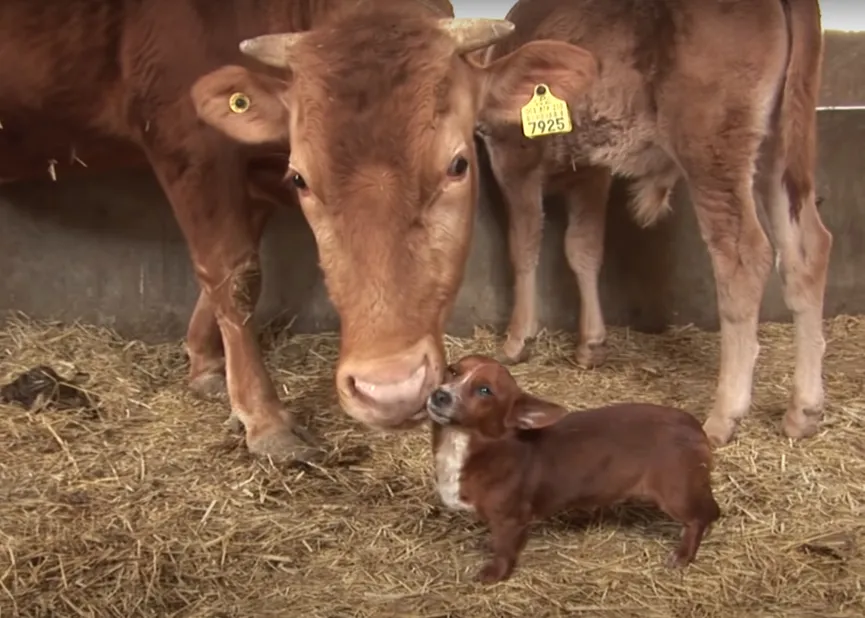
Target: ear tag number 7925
x,y
545,114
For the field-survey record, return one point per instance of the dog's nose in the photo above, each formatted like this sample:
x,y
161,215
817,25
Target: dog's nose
x,y
440,398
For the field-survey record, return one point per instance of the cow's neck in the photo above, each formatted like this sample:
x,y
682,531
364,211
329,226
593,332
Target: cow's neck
x,y
306,14
444,7
438,6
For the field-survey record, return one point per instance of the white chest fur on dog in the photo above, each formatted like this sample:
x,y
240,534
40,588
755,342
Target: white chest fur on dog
x,y
450,457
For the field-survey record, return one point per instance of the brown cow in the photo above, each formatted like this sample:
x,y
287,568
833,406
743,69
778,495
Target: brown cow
x,y
377,103
712,91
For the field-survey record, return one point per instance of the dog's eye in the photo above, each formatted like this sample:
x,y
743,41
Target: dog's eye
x,y
451,371
484,391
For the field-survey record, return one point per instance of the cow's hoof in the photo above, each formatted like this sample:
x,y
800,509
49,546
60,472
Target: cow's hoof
x,y
514,351
591,355
719,430
284,444
209,386
800,424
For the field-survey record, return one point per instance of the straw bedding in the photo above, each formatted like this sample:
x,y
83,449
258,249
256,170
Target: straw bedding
x,y
150,507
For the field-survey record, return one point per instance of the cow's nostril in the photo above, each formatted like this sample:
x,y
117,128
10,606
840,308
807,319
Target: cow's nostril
x,y
390,392
386,389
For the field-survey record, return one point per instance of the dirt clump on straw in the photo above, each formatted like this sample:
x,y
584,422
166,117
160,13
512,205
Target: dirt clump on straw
x,y
152,508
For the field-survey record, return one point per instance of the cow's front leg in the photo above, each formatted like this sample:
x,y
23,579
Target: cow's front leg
x,y
222,234
206,352
204,339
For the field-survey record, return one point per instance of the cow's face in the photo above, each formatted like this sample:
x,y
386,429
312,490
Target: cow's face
x,y
379,111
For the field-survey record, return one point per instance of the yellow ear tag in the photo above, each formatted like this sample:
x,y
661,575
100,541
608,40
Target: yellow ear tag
x,y
239,103
545,114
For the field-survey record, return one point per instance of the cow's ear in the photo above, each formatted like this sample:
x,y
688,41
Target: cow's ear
x,y
247,107
509,82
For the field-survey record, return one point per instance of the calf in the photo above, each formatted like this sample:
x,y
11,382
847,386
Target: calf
x,y
511,458
721,93
378,104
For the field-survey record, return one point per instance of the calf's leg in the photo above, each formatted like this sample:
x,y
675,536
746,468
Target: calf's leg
x,y
584,247
803,245
525,232
205,189
741,261
521,184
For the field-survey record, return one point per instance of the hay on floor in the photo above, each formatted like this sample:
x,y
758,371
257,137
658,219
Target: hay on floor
x,y
153,509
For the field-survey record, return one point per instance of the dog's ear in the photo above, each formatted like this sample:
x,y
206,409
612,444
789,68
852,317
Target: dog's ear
x,y
529,412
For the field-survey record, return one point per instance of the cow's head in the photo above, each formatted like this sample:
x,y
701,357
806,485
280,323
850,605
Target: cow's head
x,y
379,111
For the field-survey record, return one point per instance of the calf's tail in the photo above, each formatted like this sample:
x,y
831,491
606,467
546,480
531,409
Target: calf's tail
x,y
798,119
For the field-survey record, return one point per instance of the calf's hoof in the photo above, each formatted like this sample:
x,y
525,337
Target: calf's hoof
x,y
284,443
591,355
209,386
719,430
800,424
514,351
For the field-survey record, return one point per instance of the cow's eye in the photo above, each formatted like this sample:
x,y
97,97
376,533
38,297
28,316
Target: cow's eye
x,y
298,181
458,167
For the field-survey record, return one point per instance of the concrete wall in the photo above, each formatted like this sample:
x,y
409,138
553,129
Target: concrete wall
x,y
107,250
843,59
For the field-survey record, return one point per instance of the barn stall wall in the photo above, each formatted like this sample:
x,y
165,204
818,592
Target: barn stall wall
x,y
105,249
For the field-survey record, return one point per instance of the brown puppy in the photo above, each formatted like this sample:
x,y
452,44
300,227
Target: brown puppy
x,y
512,458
